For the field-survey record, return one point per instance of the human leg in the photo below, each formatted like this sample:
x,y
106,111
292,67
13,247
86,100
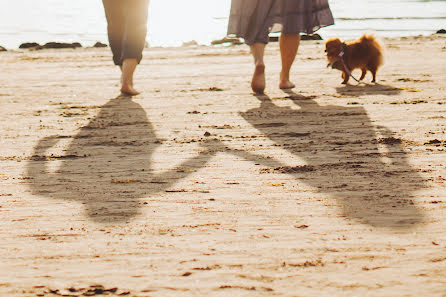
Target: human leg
x,y
289,44
115,27
258,79
136,13
128,69
135,30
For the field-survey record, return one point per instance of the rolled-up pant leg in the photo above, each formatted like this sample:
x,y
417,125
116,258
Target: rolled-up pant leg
x,y
136,12
127,28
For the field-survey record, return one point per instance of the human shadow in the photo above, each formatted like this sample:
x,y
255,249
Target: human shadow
x,y
368,89
107,166
363,166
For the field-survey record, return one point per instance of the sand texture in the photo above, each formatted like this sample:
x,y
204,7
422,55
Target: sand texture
x,y
198,188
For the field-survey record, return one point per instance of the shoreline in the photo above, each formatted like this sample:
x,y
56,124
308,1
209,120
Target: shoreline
x,y
193,42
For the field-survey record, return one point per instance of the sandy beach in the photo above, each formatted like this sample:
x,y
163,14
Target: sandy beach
x,y
198,188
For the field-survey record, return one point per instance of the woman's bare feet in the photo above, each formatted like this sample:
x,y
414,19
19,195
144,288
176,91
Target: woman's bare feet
x,y
285,82
128,89
258,79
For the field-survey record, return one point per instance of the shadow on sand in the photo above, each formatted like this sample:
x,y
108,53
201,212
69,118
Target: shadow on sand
x,y
107,165
364,167
367,89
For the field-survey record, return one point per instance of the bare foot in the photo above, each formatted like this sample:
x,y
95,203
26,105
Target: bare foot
x,y
285,83
128,90
258,79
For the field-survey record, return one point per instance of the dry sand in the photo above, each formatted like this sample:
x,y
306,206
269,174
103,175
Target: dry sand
x,y
198,188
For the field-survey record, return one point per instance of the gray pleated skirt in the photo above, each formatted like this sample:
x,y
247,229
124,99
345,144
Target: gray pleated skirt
x,y
253,20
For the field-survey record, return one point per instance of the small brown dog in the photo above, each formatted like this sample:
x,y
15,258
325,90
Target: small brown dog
x,y
365,54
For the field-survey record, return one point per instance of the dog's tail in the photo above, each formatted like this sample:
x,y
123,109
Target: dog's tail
x,y
375,46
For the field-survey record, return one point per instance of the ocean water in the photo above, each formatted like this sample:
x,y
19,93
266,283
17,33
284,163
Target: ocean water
x,y
172,22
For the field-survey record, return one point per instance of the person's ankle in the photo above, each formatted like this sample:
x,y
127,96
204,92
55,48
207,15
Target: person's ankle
x,y
284,76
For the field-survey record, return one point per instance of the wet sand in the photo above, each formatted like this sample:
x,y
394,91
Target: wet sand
x,y
198,188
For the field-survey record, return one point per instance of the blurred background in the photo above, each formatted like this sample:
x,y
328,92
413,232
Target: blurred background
x,y
174,22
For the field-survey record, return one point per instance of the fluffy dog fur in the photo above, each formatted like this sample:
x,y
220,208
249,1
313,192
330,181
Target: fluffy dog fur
x,y
365,54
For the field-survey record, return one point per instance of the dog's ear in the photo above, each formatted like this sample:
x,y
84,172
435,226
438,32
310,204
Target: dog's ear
x,y
333,40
